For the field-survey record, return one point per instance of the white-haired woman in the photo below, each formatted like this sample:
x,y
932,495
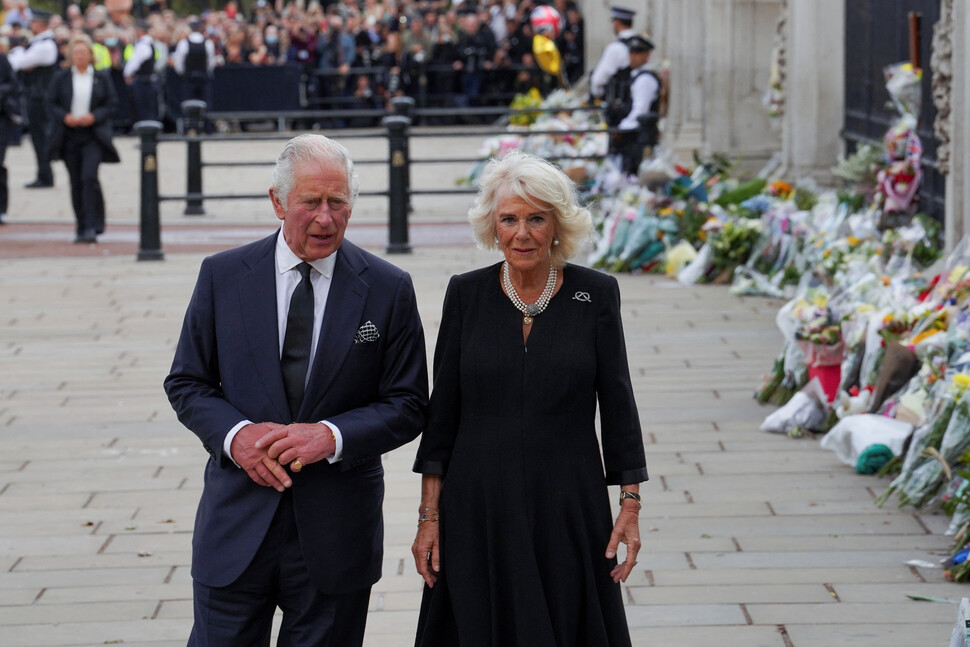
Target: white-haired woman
x,y
81,102
516,540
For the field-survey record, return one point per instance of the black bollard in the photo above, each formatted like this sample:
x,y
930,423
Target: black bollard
x,y
194,112
397,128
404,107
151,238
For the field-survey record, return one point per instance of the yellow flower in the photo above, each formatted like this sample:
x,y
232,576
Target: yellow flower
x,y
923,335
853,241
962,380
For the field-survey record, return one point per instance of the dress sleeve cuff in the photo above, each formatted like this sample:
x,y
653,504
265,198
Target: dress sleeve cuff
x,y
626,477
430,467
338,439
228,441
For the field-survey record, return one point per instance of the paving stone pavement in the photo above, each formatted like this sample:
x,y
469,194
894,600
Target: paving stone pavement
x,y
750,539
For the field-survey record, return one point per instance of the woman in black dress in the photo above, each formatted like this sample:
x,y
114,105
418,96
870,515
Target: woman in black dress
x,y
516,540
81,103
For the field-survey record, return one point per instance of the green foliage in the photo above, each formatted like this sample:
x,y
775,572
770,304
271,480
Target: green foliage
x,y
805,200
930,248
743,191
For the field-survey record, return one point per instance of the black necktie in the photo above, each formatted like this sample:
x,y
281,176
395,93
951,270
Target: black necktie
x,y
296,341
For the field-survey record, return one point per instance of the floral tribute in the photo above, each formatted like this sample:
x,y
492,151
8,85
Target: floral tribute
x,y
876,324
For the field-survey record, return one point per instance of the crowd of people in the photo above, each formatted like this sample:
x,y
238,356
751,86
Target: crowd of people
x,y
351,53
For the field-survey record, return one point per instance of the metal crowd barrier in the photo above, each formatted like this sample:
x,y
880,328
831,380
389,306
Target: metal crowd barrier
x,y
395,127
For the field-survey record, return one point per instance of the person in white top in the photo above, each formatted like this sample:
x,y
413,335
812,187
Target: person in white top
x,y
140,74
644,94
37,63
615,56
81,102
194,60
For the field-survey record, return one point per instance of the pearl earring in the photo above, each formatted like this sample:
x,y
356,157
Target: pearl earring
x,y
555,241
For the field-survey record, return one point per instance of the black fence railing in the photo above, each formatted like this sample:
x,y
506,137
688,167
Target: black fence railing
x,y
395,128
330,97
876,36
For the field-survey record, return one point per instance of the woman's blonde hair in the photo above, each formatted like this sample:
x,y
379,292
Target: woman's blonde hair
x,y
541,184
83,39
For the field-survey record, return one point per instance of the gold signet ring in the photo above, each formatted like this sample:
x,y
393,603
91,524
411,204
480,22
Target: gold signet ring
x,y
296,465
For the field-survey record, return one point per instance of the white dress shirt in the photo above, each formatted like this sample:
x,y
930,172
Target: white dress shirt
x,y
41,52
82,84
615,57
643,91
287,278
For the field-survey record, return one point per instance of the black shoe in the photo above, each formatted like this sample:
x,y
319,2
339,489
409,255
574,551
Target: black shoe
x,y
39,184
87,236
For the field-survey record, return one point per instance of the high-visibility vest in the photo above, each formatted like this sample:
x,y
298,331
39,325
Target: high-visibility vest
x,y
102,57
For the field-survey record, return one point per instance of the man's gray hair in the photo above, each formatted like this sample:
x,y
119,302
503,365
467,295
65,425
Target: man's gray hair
x,y
311,147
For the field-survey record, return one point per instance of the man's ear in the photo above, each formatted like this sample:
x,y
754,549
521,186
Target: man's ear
x,y
278,206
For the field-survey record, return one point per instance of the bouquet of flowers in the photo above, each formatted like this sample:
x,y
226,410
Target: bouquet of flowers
x,y
923,467
731,246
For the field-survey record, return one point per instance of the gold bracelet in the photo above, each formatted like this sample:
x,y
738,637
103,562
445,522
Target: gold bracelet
x,y
427,515
632,496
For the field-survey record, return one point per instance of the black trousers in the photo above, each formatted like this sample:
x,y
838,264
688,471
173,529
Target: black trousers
x,y
241,614
144,93
627,145
4,139
82,154
39,137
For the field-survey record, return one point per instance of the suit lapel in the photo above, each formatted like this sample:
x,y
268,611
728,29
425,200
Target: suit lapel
x,y
257,296
345,304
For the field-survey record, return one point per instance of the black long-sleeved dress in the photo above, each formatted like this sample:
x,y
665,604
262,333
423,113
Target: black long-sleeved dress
x,y
525,511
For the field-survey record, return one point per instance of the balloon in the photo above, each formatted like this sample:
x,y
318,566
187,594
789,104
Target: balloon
x,y
546,21
547,55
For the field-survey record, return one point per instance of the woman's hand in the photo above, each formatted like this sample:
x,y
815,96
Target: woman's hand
x,y
626,530
427,556
425,550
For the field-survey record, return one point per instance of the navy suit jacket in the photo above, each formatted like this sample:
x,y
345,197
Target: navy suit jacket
x,y
227,369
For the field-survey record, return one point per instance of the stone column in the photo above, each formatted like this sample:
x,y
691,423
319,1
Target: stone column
x,y
736,75
957,218
678,27
814,87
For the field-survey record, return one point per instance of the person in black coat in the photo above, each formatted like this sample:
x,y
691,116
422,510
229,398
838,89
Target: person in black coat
x,y
516,540
81,103
10,113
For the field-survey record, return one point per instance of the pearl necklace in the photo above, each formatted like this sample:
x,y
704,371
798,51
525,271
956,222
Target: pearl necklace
x,y
533,309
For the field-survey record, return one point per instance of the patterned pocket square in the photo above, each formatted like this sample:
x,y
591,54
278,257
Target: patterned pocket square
x,y
366,333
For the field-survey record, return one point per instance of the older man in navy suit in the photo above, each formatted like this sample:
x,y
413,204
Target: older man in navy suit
x,y
301,361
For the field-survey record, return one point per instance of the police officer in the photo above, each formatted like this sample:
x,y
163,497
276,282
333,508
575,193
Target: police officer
x,y
10,114
615,55
37,64
635,131
140,74
194,60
